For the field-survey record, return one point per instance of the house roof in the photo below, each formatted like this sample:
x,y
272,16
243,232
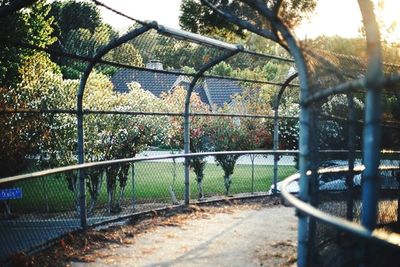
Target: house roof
x,y
212,91
154,82
221,91
199,89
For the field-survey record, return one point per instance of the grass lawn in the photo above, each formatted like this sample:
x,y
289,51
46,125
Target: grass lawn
x,y
152,183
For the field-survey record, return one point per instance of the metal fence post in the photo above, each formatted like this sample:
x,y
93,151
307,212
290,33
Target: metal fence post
x,y
351,147
276,127
186,124
372,131
275,147
133,184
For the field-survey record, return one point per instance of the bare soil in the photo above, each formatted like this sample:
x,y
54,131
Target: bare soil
x,y
255,233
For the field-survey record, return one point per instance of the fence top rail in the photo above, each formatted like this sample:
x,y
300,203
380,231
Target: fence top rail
x,y
138,159
163,157
338,222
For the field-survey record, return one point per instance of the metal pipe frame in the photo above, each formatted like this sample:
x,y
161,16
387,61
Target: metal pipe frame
x,y
337,222
305,114
186,124
178,34
276,127
79,104
388,81
351,155
372,131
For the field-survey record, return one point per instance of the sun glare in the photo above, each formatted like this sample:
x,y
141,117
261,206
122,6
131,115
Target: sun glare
x,y
388,13
343,18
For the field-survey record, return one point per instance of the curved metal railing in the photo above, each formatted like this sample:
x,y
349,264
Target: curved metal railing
x,y
378,238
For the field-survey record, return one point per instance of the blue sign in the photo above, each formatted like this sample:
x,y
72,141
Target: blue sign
x,y
12,193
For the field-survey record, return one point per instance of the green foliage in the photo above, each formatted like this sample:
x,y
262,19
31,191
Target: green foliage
x,y
72,15
348,46
24,135
30,26
82,42
126,54
222,69
199,18
81,31
225,135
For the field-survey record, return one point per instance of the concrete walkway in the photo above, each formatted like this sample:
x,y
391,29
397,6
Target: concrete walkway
x,y
249,237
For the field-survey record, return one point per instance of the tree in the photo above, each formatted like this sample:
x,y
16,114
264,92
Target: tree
x,y
222,69
200,19
37,90
72,15
30,26
226,135
81,31
126,54
175,101
26,136
84,42
117,136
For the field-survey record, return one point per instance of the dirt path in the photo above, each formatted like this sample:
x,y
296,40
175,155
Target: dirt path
x,y
241,236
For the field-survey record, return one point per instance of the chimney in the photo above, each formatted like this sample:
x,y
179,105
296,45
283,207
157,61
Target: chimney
x,y
155,65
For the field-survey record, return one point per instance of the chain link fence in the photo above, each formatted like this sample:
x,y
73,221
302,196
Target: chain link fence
x,y
337,246
45,205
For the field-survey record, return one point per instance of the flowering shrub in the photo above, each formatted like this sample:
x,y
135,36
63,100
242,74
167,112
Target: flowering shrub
x,y
289,128
226,136
175,101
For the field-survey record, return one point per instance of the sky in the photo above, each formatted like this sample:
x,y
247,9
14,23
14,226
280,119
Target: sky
x,y
331,17
165,12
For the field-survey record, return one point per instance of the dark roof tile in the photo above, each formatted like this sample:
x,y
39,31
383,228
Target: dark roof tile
x,y
154,82
222,90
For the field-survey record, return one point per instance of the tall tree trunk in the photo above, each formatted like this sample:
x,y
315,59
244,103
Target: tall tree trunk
x,y
200,187
227,182
96,182
111,172
72,180
122,179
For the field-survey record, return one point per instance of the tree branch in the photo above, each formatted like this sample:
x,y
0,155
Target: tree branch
x,y
242,23
279,29
277,6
